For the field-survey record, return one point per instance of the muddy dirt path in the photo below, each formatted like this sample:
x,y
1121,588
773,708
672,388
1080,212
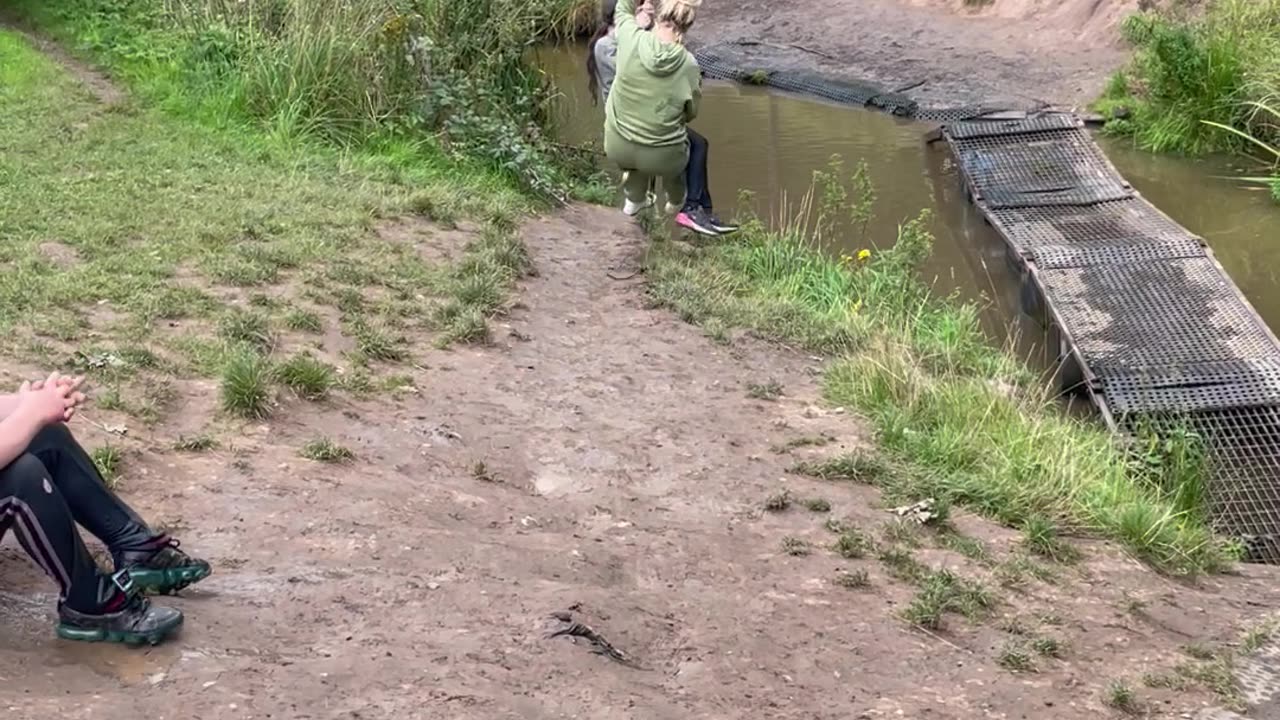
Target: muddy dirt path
x,y
624,468
1009,53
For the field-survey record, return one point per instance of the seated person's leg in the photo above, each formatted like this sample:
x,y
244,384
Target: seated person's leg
x,y
635,188
153,559
699,183
92,606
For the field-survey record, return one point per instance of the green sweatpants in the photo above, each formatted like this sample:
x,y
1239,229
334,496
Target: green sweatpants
x,y
642,164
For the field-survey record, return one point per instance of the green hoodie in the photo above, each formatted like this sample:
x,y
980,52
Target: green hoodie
x,y
657,89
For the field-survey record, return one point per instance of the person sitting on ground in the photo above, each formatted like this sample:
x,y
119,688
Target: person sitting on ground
x,y
647,142
48,484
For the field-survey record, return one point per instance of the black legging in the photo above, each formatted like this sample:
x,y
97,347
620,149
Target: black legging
x,y
698,194
44,493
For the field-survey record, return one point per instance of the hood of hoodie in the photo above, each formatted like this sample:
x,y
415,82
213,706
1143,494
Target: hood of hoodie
x,y
662,59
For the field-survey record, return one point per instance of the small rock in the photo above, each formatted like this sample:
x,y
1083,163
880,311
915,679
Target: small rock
x,y
433,586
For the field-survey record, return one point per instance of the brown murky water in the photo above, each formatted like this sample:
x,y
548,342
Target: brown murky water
x,y
770,144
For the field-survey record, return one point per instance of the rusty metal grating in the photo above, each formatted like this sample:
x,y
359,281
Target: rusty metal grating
x,y
1019,126
1059,167
1156,314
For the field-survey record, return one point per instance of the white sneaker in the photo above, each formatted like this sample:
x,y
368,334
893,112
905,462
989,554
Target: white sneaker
x,y
631,209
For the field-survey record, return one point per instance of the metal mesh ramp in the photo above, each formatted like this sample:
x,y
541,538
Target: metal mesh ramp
x,y
1055,167
1156,322
1122,231
1155,314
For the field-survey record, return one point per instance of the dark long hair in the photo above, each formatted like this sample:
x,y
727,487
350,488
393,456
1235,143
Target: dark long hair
x,y
607,9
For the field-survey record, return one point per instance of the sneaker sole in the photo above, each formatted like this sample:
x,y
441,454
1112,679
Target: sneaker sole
x,y
727,230
132,639
168,580
695,227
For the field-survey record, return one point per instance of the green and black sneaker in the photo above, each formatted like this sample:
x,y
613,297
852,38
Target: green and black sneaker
x,y
160,567
128,618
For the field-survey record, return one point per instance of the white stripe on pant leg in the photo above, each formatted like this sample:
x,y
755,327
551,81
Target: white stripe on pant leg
x,y
7,513
29,525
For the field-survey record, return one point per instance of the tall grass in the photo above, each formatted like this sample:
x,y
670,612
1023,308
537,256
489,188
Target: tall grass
x,y
965,419
1269,154
422,74
1198,64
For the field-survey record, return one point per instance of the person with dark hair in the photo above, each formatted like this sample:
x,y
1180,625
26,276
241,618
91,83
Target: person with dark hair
x,y
48,484
696,212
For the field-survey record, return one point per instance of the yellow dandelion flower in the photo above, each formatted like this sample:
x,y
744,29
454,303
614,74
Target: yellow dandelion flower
x,y
864,255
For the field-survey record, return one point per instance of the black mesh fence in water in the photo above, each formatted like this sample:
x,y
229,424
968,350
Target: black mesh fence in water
x,y
1160,326
722,62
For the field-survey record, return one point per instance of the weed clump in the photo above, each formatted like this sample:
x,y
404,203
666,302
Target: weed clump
x,y
246,386
306,376
326,451
107,459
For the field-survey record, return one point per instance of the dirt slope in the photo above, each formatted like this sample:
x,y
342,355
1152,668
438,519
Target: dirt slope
x,y
1011,53
624,472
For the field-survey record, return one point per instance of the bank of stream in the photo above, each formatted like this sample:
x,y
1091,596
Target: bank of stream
x,y
770,144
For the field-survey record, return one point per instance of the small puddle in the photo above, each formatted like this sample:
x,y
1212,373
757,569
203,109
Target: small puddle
x,y
770,144
26,627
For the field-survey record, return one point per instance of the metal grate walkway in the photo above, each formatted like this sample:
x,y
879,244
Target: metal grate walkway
x,y
1145,311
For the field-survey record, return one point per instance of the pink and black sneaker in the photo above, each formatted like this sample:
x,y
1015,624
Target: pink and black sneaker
x,y
696,220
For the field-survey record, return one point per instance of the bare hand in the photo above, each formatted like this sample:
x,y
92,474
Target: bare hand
x,y
644,16
52,399
75,399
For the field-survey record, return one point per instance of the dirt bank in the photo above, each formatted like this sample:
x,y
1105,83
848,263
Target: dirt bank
x,y
624,472
1009,53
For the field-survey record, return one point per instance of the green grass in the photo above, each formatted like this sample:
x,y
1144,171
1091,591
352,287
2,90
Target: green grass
x,y
246,386
1198,66
921,371
326,450
795,546
195,443
107,459
1120,696
853,544
779,501
942,592
305,375
853,579
191,229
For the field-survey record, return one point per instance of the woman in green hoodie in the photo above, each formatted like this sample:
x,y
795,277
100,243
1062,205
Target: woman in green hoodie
x,y
654,96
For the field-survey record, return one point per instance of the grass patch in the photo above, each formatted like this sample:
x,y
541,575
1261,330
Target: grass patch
x,y
326,451
107,459
1193,66
778,501
482,472
795,546
921,370
1048,646
969,547
853,579
801,442
1016,657
818,505
853,544
856,467
304,321
1120,696
305,375
771,390
1041,538
943,592
195,443
246,386
901,564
